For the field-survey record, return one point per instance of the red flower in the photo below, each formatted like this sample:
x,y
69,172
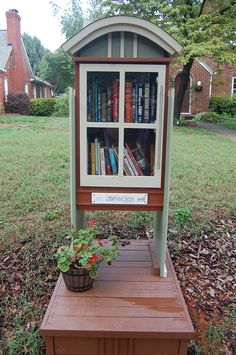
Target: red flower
x,y
93,259
73,259
100,243
92,223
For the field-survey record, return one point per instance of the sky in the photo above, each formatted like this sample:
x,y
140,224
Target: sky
x,y
37,20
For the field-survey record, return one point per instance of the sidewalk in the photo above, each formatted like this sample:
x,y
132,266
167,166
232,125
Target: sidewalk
x,y
227,132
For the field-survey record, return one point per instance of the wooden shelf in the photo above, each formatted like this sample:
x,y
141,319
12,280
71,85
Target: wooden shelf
x,y
130,311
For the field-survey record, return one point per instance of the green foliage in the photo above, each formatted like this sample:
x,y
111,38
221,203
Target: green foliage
x,y
42,107
211,117
71,17
86,252
61,107
223,104
17,102
35,51
138,219
182,215
202,27
57,68
51,215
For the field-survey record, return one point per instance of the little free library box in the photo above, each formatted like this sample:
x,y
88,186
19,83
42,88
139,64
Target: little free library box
x,y
121,115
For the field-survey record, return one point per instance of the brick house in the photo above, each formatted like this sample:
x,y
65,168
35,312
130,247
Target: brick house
x,y
206,79
16,74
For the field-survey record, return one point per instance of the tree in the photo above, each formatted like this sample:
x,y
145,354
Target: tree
x,y
35,51
57,68
71,18
203,27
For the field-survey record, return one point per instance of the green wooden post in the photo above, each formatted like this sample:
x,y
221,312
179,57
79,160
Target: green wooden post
x,y
77,216
164,222
157,221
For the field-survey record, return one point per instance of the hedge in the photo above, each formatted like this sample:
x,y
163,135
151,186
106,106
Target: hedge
x,y
42,107
223,104
17,102
61,108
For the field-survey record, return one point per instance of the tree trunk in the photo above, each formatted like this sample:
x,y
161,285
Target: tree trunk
x,y
180,91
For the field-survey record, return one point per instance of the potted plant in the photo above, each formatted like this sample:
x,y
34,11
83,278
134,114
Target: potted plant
x,y
79,260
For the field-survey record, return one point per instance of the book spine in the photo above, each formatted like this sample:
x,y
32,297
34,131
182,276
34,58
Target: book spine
x,y
107,161
135,163
109,104
115,101
97,162
131,162
92,152
103,108
102,161
99,108
114,166
153,104
96,101
140,103
89,105
146,102
128,167
128,102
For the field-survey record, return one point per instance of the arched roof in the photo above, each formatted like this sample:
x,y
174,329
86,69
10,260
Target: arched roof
x,y
123,24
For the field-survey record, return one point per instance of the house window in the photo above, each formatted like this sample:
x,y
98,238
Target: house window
x,y
233,85
5,87
27,88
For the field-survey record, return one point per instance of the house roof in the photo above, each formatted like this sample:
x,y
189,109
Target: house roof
x,y
122,23
5,49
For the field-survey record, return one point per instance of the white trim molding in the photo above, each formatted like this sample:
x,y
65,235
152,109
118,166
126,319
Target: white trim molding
x,y
122,24
233,88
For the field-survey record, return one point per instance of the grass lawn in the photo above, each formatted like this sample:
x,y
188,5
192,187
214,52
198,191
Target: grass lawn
x,y
34,207
229,123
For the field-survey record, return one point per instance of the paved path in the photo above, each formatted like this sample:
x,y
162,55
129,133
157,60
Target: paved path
x,y
227,132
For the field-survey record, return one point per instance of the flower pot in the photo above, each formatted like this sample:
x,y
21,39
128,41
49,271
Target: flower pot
x,y
77,280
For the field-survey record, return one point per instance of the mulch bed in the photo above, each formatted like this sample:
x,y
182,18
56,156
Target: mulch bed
x,y
205,266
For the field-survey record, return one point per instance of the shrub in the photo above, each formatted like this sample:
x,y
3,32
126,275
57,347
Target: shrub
x,y
223,104
61,108
42,107
212,117
17,102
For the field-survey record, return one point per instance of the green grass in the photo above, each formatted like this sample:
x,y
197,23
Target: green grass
x,y
34,200
228,122
203,173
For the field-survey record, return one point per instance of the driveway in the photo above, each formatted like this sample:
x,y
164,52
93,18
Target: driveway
x,y
227,132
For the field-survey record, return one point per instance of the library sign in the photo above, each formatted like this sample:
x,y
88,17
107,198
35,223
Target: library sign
x,y
119,199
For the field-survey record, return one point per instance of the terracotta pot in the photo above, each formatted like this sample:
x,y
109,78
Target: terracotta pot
x,y
77,280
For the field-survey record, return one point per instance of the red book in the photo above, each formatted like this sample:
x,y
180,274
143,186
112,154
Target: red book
x,y
128,102
134,161
115,101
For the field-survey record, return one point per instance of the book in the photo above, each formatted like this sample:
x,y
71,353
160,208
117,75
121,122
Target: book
x,y
89,105
130,162
153,104
140,103
92,158
107,161
135,163
128,102
109,104
152,158
102,161
103,107
146,103
114,166
97,156
115,100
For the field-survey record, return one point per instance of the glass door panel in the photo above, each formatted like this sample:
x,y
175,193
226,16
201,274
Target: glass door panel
x,y
140,97
102,151
103,96
139,152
